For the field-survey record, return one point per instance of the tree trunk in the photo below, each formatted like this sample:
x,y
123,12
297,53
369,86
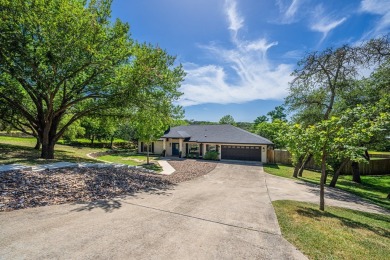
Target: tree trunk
x,y
326,176
47,151
356,172
337,173
111,141
388,196
147,153
38,144
303,166
92,139
297,167
323,175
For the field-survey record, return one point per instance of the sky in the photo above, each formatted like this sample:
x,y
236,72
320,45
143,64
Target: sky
x,y
239,55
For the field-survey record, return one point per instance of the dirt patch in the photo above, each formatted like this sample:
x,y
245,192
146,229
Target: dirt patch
x,y
26,189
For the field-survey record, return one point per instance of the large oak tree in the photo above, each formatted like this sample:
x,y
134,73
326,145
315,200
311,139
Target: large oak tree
x,y
65,59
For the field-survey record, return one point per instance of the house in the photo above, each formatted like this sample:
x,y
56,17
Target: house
x,y
230,142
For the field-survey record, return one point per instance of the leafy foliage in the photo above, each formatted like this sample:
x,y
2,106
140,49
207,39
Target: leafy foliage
x,y
63,60
227,120
211,155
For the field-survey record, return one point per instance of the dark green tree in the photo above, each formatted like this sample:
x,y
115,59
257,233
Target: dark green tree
x,y
67,57
227,120
277,114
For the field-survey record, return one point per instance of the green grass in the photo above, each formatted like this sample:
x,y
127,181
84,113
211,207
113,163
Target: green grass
x,y
373,188
336,233
375,152
130,158
20,150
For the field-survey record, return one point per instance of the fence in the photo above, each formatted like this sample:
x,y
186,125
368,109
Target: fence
x,y
376,166
279,156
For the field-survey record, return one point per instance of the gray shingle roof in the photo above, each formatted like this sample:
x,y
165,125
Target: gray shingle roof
x,y
215,134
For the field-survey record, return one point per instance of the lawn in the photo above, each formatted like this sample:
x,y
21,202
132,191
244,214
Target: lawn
x,y
336,233
130,158
20,150
373,188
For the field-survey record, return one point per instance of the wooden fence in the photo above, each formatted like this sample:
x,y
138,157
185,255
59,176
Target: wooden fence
x,y
279,156
376,166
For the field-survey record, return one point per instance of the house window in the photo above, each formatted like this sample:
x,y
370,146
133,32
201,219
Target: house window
x,y
144,147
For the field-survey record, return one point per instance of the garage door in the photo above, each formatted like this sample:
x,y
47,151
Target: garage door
x,y
245,153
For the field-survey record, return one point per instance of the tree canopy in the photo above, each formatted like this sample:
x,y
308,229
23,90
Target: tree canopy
x,y
63,60
227,120
338,114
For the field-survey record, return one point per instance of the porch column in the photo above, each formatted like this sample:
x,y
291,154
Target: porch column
x,y
204,149
181,146
220,151
164,147
264,154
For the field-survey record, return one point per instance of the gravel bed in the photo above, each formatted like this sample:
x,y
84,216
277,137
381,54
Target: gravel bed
x,y
188,169
27,189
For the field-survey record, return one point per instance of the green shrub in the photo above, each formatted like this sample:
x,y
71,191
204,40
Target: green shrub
x,y
211,155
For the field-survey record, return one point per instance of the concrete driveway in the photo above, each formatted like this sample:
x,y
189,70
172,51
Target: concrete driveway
x,y
226,214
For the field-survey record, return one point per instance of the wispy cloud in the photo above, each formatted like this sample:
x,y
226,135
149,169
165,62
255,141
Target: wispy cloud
x,y
235,20
324,23
381,8
288,11
241,74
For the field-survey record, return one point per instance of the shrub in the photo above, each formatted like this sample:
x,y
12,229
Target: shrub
x,y
211,155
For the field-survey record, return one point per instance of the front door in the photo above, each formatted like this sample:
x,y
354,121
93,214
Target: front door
x,y
175,149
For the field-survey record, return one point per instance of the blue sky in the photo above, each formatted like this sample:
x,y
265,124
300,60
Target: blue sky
x,y
239,55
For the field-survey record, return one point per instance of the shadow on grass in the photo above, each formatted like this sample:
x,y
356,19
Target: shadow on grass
x,y
28,155
346,196
348,222
271,165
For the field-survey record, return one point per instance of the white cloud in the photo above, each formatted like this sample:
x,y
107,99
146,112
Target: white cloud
x,y
251,75
235,20
324,23
378,7
289,11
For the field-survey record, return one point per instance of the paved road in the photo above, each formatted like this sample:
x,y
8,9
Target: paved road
x,y
226,214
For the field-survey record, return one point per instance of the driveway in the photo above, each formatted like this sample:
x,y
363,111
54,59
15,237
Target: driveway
x,y
226,214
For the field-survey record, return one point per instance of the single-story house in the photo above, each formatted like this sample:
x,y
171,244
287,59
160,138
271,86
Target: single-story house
x,y
230,142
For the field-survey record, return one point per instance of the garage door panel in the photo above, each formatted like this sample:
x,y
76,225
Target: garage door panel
x,y
238,152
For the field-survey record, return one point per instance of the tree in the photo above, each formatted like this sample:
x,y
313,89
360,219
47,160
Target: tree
x,y
321,80
278,114
260,119
341,136
150,125
59,57
271,130
227,120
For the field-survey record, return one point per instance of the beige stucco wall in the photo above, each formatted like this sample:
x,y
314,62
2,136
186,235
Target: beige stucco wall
x,y
159,147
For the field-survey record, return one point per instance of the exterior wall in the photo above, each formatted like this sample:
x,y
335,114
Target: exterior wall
x,y
158,147
168,145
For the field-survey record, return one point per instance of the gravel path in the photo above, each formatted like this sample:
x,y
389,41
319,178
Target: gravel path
x,y
27,189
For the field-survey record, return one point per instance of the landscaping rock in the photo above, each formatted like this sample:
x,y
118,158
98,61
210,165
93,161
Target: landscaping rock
x,y
26,189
